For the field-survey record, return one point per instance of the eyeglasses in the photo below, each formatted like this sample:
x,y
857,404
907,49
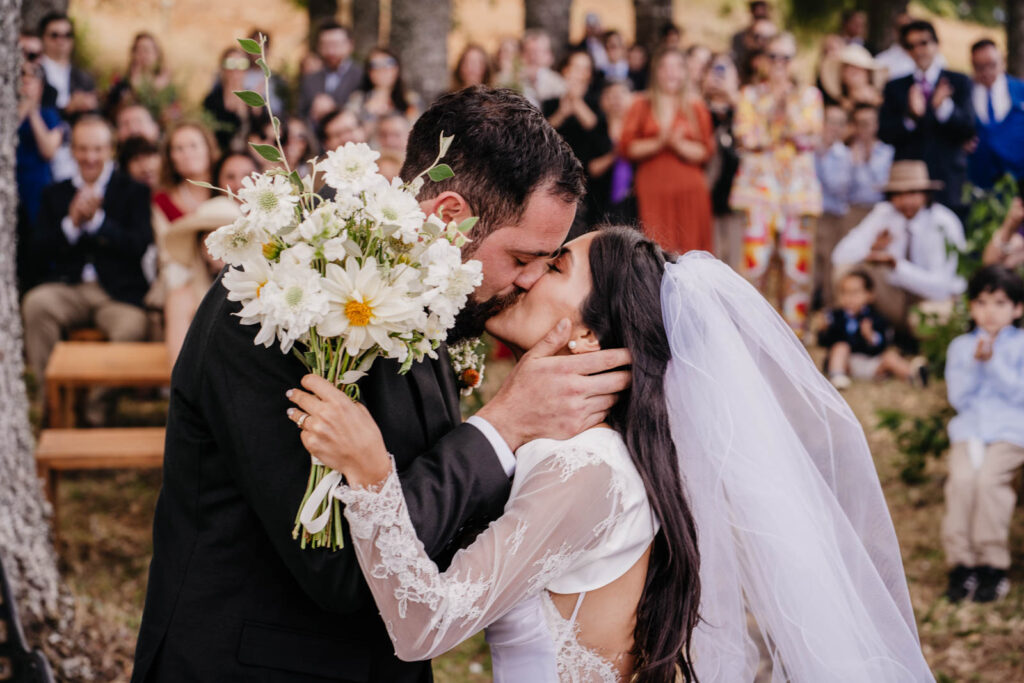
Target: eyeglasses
x,y
236,64
779,57
66,35
383,63
918,43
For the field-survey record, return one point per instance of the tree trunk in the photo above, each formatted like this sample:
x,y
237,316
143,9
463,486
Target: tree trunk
x,y
319,11
882,21
419,33
28,555
34,10
553,17
1015,37
651,16
365,25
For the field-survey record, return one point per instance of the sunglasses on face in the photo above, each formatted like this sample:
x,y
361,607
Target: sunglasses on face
x,y
918,43
383,63
780,58
66,35
236,64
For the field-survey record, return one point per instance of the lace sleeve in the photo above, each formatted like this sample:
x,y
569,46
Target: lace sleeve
x,y
564,507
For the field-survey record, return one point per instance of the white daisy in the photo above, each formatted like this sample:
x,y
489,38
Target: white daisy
x,y
238,242
287,305
365,309
397,211
268,200
349,168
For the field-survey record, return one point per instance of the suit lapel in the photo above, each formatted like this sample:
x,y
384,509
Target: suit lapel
x,y
433,406
449,386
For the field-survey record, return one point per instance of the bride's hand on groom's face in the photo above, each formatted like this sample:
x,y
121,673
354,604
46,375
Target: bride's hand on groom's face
x,y
340,432
554,396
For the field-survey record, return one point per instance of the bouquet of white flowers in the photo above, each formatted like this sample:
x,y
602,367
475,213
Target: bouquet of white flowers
x,y
341,281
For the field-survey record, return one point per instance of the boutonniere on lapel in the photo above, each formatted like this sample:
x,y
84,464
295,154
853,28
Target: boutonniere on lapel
x,y
468,357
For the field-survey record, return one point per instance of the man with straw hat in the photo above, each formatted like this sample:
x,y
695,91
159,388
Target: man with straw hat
x,y
903,243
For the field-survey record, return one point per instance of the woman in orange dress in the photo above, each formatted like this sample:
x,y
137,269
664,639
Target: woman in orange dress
x,y
668,134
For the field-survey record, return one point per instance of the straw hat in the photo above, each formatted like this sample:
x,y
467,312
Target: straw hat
x,y
854,55
180,240
910,176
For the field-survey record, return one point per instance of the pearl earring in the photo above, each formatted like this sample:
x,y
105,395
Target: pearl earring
x,y
572,345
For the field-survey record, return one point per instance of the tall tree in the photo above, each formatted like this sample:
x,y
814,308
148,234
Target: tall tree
x,y
651,16
419,32
553,17
365,25
881,21
28,555
1015,37
34,10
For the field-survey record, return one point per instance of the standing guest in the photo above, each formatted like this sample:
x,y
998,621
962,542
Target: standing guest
x,y
1006,248
871,161
31,50
232,116
540,82
609,197
76,89
753,65
853,27
593,41
338,127
895,59
904,242
617,66
834,169
851,78
777,127
998,101
472,68
147,78
39,137
639,66
670,37
721,90
927,115
382,91
747,39
668,135
698,57
135,121
985,379
859,340
140,159
331,86
508,64
189,153
92,233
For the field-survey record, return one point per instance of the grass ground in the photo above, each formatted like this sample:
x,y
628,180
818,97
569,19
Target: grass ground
x,y
105,546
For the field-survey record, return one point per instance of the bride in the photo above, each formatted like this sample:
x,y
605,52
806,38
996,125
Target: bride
x,y
730,480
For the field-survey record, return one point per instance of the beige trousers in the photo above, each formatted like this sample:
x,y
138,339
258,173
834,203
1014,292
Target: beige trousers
x,y
979,505
51,309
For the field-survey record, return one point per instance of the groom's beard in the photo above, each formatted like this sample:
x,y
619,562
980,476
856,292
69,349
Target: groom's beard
x,y
471,319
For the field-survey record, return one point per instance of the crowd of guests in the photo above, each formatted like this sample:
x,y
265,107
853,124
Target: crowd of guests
x,y
842,196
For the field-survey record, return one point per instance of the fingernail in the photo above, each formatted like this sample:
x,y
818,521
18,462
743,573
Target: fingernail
x,y
289,412
289,393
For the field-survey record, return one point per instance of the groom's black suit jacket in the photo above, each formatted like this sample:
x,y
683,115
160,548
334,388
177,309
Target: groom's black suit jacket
x,y
231,596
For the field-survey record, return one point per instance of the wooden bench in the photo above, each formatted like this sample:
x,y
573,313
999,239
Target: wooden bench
x,y
60,450
75,365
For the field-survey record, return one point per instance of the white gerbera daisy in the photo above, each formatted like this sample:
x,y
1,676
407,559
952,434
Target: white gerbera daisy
x,y
449,281
349,168
288,304
237,243
365,309
395,209
268,200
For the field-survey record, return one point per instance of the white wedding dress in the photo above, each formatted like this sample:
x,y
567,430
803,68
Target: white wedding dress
x,y
577,519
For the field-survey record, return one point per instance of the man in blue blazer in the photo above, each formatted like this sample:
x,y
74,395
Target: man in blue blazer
x,y
998,103
928,116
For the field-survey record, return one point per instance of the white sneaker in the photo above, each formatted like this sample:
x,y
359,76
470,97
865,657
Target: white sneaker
x,y
840,381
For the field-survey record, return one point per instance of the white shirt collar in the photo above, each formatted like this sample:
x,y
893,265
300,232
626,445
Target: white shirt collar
x,y
931,74
101,183
1001,102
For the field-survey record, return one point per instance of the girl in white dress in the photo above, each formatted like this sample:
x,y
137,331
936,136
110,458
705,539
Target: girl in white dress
x,y
727,413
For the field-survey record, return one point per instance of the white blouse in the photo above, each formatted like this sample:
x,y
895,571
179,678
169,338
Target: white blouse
x,y
577,519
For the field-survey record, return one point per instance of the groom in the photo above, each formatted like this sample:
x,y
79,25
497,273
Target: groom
x,y
231,596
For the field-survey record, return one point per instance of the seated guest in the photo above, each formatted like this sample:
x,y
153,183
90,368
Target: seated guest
x,y
382,91
870,160
331,86
392,135
472,68
834,169
617,66
76,89
140,159
1006,248
338,127
189,152
134,120
903,242
92,233
232,116
859,339
998,101
927,115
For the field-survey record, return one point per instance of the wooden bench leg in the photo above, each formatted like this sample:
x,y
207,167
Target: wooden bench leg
x,y
54,405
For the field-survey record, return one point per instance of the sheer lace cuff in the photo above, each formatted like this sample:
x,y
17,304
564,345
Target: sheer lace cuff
x,y
378,505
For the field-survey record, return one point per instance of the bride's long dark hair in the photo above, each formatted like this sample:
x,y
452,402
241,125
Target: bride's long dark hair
x,y
624,310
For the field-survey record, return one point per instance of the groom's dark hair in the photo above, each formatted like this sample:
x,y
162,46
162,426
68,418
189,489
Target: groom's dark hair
x,y
504,149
